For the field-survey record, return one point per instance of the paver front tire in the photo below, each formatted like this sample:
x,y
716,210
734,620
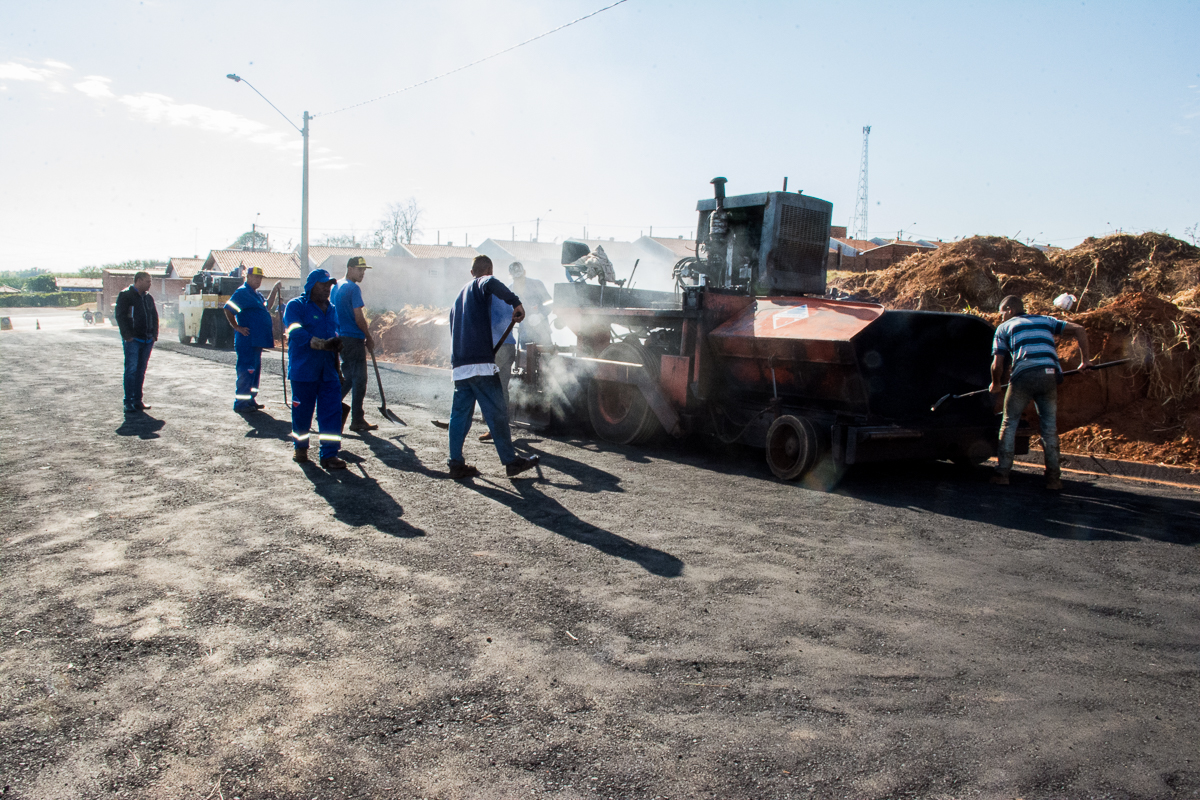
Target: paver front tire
x,y
619,412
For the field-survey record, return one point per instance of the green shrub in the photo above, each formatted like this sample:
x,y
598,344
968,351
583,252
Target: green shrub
x,y
46,299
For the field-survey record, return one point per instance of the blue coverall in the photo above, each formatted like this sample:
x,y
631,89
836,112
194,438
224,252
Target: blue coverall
x,y
313,373
249,308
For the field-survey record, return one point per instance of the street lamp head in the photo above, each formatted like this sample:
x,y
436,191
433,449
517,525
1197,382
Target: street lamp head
x,y
233,77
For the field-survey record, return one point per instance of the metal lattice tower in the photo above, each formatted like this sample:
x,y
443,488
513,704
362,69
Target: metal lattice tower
x,y
859,224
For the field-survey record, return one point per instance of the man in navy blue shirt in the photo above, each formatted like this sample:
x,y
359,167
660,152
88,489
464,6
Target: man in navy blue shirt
x,y
310,324
137,319
473,360
356,340
249,316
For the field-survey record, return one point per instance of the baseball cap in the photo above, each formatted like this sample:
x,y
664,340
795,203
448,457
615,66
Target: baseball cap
x,y
357,261
255,271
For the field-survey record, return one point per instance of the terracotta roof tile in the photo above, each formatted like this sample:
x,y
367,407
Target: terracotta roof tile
x,y
680,247
274,265
440,251
185,267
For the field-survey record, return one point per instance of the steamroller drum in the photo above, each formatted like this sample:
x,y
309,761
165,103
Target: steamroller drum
x,y
183,337
792,447
619,412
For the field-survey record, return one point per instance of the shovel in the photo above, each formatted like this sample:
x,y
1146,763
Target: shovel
x,y
386,412
1105,365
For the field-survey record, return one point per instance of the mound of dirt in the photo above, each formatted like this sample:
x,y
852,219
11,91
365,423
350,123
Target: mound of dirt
x,y
973,273
413,335
1152,263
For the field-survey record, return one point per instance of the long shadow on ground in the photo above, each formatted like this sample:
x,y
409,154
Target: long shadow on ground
x,y
141,425
358,499
264,426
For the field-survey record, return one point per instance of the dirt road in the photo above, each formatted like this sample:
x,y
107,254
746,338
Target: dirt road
x,y
187,613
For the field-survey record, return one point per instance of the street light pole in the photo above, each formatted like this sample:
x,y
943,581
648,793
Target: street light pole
x,y
304,206
304,183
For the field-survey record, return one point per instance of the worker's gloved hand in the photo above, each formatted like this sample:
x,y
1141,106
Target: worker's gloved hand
x,y
334,344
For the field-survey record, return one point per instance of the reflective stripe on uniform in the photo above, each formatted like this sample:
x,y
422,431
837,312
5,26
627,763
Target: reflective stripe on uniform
x,y
243,397
234,306
293,327
329,437
300,437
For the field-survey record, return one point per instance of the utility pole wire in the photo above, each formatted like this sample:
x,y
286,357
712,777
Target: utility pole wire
x,y
466,66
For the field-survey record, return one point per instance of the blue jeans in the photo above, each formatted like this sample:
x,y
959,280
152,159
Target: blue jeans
x,y
137,356
485,390
249,368
1042,388
326,397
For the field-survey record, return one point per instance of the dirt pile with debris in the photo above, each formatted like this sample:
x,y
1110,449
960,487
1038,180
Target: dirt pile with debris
x,y
1150,263
1138,297
973,273
413,335
1149,410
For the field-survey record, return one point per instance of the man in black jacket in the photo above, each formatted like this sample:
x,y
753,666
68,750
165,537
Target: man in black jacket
x,y
137,319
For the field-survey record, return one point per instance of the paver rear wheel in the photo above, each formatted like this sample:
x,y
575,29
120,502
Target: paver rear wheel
x,y
792,447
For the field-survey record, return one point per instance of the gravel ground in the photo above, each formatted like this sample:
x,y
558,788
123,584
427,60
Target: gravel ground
x,y
187,613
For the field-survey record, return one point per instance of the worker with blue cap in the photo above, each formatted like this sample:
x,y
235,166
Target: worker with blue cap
x,y
250,317
310,324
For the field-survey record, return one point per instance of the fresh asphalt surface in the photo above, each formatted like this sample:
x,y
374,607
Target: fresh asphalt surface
x,y
187,613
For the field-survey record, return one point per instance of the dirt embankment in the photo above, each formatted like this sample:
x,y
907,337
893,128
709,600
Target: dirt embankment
x,y
1137,298
413,335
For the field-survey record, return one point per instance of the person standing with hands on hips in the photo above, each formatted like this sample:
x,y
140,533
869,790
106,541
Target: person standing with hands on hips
x,y
249,316
474,371
310,324
1027,341
356,340
137,319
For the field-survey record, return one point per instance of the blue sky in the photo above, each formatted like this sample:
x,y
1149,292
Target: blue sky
x,y
121,137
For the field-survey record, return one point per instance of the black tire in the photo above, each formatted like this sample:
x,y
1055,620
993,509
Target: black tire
x,y
183,337
619,412
792,447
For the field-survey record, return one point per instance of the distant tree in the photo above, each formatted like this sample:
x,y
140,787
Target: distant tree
x,y
90,272
1193,233
41,283
251,240
399,223
341,240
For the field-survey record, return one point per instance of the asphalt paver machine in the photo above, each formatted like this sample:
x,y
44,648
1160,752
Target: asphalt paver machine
x,y
747,349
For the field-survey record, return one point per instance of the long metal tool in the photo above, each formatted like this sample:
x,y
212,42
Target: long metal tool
x,y
283,354
386,412
1105,365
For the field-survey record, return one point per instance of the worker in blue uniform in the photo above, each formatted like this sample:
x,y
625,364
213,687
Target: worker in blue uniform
x,y
250,317
310,324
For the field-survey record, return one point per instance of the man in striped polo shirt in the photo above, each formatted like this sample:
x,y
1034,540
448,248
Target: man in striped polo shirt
x,y
1027,342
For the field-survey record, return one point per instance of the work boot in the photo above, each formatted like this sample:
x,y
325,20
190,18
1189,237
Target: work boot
x,y
345,414
300,455
1053,481
487,437
522,463
332,463
462,471
362,425
142,407
1000,479
437,423
258,406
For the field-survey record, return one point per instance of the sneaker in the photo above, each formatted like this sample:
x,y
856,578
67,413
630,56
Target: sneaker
x,y
520,465
460,472
1054,484
332,463
143,407
300,455
362,425
437,423
487,437
1000,480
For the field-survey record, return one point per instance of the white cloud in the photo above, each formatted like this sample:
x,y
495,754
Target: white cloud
x,y
95,86
58,65
19,72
